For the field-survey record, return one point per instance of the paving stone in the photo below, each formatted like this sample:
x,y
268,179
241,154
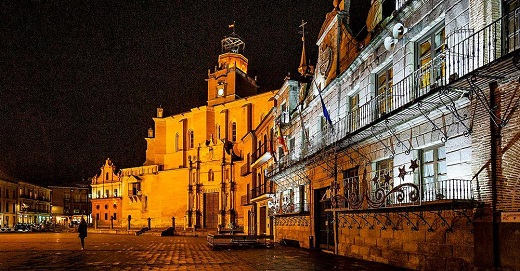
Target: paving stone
x,y
62,251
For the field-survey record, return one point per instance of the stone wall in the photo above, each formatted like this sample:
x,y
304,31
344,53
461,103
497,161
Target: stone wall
x,y
409,240
295,228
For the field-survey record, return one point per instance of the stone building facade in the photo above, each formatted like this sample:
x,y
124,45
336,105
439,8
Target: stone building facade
x,y
193,159
400,145
107,192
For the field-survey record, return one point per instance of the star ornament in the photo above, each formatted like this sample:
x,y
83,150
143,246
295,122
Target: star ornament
x,y
402,172
414,165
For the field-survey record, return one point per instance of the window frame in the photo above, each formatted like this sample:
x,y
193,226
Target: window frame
x,y
425,77
383,92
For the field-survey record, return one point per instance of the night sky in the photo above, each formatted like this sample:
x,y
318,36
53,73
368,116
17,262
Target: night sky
x,y
81,80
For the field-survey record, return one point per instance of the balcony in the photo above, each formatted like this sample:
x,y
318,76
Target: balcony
x,y
262,192
283,119
470,62
245,199
245,169
383,194
260,155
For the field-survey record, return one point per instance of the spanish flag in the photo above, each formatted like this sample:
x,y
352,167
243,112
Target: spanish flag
x,y
281,140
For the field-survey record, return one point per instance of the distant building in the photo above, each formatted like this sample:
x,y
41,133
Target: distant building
x,y
34,203
107,197
8,203
70,203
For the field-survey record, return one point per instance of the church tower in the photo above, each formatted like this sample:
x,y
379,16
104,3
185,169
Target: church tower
x,y
230,81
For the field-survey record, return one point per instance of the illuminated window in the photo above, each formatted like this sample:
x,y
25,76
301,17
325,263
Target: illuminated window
x,y
234,131
431,65
351,182
434,169
384,90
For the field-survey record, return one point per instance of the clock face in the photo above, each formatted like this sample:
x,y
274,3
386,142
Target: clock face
x,y
220,90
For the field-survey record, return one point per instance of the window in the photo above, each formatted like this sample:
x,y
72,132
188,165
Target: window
x,y
218,131
234,131
115,192
513,24
114,216
431,64
384,90
351,182
354,113
434,172
191,137
107,193
177,142
106,176
106,216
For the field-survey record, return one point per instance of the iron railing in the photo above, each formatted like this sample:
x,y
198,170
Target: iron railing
x,y
468,53
263,189
385,194
259,152
245,199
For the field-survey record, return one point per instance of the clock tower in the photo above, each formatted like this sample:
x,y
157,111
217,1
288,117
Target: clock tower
x,y
230,81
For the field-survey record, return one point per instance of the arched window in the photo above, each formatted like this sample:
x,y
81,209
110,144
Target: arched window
x,y
192,139
106,177
234,131
177,142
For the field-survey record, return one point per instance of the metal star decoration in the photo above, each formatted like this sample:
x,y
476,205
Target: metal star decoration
x,y
414,165
402,172
387,178
375,180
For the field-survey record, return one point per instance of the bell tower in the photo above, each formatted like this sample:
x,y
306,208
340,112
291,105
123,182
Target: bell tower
x,y
229,80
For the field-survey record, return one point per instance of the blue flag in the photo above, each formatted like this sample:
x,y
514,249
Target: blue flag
x,y
325,111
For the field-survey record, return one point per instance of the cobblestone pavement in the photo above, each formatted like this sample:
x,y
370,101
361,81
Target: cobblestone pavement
x,y
62,251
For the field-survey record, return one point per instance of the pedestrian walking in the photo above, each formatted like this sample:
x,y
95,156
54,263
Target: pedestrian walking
x,y
82,229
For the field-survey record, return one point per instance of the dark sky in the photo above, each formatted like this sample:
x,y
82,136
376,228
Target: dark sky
x,y
81,80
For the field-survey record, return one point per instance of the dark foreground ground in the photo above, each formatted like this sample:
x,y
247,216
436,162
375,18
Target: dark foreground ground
x,y
62,251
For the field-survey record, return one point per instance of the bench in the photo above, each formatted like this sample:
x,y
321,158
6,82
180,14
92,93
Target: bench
x,y
239,240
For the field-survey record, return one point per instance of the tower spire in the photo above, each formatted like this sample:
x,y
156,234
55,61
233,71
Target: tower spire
x,y
303,68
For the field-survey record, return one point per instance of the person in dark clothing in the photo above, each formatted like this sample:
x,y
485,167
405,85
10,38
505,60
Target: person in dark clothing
x,y
82,229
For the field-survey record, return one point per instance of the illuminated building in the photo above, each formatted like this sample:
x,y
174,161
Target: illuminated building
x,y
193,159
106,200
407,142
8,202
34,203
70,203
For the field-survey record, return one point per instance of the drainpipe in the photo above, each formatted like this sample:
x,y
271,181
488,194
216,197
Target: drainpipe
x,y
495,144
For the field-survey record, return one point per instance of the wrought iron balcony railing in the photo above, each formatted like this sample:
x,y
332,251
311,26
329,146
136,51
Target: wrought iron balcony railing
x,y
385,194
245,199
465,54
263,189
259,152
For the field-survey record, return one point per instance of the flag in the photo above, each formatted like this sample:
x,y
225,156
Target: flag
x,y
325,111
281,140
